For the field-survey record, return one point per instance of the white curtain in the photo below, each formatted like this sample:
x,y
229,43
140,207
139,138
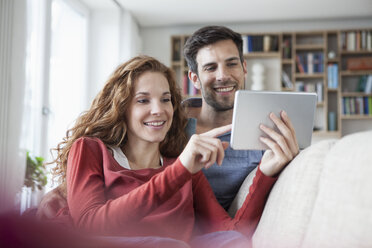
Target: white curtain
x,y
12,80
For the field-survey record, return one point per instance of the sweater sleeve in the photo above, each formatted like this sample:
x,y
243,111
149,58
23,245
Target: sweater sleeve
x,y
212,217
88,205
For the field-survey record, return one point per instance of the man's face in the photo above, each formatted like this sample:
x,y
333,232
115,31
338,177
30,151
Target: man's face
x,y
220,74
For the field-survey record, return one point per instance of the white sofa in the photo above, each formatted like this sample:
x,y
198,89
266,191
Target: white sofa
x,y
322,199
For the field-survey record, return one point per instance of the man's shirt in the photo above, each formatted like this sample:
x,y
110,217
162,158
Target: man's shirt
x,y
226,179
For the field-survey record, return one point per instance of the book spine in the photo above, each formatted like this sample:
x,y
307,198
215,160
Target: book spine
x,y
310,61
330,76
245,44
300,67
369,40
368,85
361,105
335,76
366,111
267,43
319,91
332,121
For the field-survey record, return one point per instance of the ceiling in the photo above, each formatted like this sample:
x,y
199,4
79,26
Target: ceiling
x,y
151,13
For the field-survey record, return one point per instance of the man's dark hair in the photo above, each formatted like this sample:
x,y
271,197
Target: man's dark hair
x,y
206,36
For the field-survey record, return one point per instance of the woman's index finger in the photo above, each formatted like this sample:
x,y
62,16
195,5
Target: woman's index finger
x,y
215,132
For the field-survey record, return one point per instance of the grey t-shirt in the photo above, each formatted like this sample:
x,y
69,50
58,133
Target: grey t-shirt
x,y
226,179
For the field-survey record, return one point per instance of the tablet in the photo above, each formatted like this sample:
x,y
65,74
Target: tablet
x,y
251,108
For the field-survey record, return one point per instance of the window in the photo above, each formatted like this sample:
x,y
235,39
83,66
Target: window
x,y
56,72
67,76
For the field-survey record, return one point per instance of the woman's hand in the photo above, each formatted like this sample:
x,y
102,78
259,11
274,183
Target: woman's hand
x,y
203,150
283,146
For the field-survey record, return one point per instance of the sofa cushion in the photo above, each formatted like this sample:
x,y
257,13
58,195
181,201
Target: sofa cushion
x,y
290,203
242,194
342,215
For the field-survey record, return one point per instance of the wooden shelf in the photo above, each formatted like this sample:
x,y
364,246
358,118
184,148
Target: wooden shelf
x,y
262,55
356,117
310,47
332,90
335,60
176,63
287,61
355,94
305,75
358,52
355,73
287,89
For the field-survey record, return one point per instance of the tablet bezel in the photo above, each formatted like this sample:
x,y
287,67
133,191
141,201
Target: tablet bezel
x,y
300,107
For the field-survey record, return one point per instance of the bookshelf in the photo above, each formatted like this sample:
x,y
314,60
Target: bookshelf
x,y
179,65
355,49
306,70
336,64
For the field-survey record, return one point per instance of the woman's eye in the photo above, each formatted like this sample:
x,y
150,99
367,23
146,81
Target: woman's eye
x,y
142,101
166,100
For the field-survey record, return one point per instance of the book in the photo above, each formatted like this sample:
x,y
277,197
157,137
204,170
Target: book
x,y
362,83
274,43
319,91
266,43
359,105
351,43
330,76
368,85
287,49
343,41
369,40
332,121
300,86
363,41
359,63
245,44
357,41
250,47
286,81
366,109
335,76
310,65
300,65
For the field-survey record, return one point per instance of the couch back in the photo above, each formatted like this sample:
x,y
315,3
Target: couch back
x,y
323,198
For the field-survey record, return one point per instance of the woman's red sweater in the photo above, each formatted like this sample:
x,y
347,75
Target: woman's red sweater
x,y
106,199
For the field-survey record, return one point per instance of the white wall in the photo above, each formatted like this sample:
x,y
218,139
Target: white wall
x,y
130,42
114,38
104,34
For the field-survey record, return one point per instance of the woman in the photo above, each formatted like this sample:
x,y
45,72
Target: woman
x,y
123,177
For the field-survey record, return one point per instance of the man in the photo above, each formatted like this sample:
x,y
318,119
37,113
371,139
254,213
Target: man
x,y
217,68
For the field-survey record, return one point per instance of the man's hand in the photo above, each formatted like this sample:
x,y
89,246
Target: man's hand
x,y
203,150
51,203
283,147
